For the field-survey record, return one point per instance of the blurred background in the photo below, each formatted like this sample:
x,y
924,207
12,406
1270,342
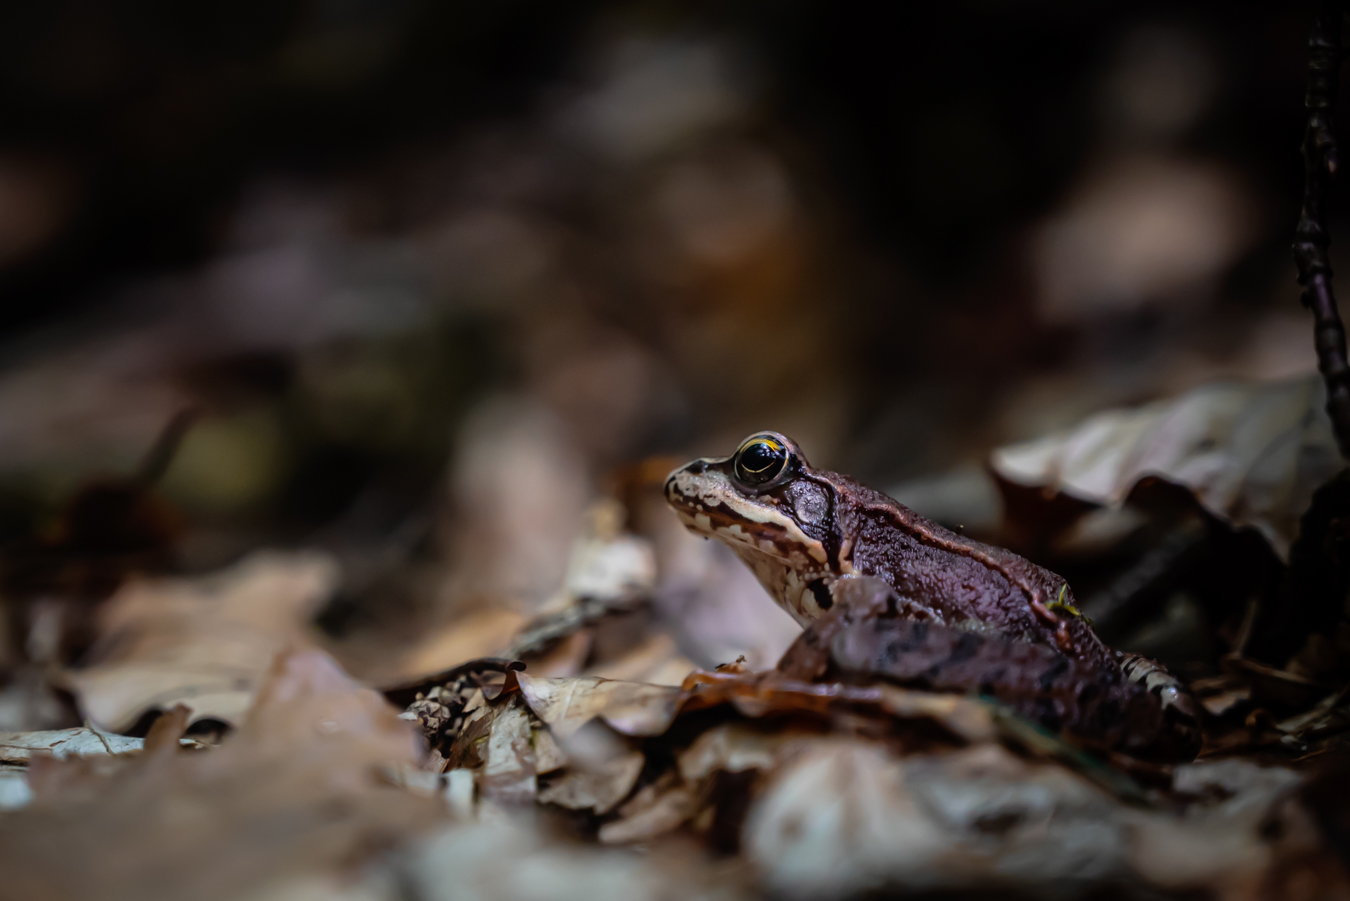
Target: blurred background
x,y
418,282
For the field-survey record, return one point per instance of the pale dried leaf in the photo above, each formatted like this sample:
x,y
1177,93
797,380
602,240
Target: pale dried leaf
x,y
1332,714
548,756
482,633
734,748
294,792
655,810
1224,848
839,817
656,661
633,708
509,774
839,820
1252,453
18,747
506,862
970,719
204,642
599,789
14,790
607,564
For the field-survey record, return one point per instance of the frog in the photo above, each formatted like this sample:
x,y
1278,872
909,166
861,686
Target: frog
x,y
878,588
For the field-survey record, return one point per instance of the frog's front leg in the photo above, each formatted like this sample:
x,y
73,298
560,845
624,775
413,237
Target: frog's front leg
x,y
854,599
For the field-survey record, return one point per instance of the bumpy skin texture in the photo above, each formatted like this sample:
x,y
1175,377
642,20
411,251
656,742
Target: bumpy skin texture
x,y
960,579
810,534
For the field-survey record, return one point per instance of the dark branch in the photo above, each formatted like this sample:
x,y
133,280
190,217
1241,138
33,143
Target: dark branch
x,y
1312,238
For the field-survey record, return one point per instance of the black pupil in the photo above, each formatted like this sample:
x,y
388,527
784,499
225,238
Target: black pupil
x,y
760,462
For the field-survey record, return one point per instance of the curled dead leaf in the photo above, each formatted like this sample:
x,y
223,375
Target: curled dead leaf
x,y
205,642
19,747
295,792
655,810
1251,453
598,789
509,773
633,708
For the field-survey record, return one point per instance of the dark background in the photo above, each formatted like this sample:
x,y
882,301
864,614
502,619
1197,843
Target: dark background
x,y
381,248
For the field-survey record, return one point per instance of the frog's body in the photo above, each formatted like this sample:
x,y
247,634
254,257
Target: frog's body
x,y
807,532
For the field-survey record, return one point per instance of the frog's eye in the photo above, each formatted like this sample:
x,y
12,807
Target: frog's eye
x,y
760,460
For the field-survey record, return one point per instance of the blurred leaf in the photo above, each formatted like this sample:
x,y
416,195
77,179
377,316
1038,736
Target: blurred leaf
x,y
596,789
293,793
19,747
509,773
1251,453
204,642
633,708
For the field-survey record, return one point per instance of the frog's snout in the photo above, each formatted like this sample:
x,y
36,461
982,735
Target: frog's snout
x,y
670,490
674,496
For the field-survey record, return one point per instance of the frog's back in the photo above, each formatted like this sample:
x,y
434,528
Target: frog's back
x,y
963,578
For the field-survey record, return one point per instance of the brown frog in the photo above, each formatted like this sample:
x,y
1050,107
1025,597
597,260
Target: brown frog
x,y
977,617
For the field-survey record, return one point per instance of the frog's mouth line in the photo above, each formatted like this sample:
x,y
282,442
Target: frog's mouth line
x,y
711,521
709,506
763,537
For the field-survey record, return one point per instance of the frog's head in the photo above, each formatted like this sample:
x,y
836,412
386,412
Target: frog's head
x,y
777,513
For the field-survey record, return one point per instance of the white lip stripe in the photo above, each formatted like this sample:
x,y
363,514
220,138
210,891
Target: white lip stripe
x,y
702,498
708,490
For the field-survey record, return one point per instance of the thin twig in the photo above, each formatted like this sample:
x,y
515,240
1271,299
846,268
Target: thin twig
x,y
1312,238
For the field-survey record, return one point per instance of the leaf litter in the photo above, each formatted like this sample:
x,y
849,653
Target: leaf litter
x,y
580,753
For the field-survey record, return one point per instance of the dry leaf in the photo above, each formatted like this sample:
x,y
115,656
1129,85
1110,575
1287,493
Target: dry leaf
x,y
837,821
548,756
842,817
482,633
655,810
656,661
204,642
293,793
606,563
509,774
598,788
1235,845
733,748
512,862
633,708
1252,453
14,790
18,747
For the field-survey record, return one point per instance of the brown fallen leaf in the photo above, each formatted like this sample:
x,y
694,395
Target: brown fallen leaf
x,y
656,661
204,642
1251,453
733,748
633,708
761,694
599,788
20,747
840,817
509,773
480,634
515,862
655,810
638,709
839,820
294,792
